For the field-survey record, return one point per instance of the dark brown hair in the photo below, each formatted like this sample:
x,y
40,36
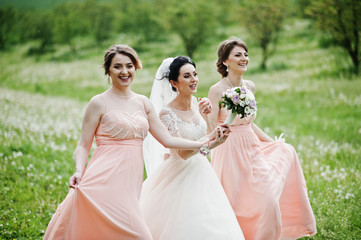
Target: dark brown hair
x,y
224,50
121,49
175,67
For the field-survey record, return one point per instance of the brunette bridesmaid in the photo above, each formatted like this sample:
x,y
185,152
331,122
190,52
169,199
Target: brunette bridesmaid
x,y
262,178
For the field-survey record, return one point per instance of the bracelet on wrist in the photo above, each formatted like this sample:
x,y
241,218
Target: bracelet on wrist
x,y
204,151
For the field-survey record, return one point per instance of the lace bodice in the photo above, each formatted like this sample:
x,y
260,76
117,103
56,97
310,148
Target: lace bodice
x,y
118,123
189,130
186,124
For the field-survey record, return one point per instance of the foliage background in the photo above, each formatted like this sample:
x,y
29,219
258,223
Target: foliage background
x,y
309,91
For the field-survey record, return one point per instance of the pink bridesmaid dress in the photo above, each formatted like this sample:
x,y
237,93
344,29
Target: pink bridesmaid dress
x,y
106,203
264,183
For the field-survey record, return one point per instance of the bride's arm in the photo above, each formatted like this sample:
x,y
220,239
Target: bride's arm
x,y
167,118
214,139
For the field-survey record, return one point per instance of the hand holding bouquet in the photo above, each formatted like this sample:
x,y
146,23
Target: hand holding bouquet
x,y
240,101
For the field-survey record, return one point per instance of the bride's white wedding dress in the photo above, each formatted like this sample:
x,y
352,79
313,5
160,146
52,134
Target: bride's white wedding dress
x,y
183,199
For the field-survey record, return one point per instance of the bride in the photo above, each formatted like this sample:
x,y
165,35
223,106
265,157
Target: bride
x,y
182,197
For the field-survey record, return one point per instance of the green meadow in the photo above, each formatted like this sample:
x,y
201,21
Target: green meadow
x,y
308,92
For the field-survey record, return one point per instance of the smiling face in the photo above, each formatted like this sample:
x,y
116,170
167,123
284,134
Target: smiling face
x,y
237,60
121,71
187,81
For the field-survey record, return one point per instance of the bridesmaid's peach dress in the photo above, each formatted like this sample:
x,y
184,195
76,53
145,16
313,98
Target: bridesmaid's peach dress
x,y
106,204
264,183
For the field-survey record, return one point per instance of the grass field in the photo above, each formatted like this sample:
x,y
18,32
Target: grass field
x,y
308,93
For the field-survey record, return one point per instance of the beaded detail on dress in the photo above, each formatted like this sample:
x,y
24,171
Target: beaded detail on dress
x,y
122,120
122,125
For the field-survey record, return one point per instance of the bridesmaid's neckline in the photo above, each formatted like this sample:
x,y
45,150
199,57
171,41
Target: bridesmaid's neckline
x,y
121,96
241,84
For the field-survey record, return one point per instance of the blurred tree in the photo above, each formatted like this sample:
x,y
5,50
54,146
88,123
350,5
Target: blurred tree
x,y
342,20
263,19
143,17
8,17
302,6
44,31
69,22
99,18
193,21
227,11
19,26
24,25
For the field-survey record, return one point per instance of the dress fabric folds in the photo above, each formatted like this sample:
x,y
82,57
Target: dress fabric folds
x,y
264,183
106,203
183,199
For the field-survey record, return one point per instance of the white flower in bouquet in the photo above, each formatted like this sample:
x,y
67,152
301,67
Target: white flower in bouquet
x,y
247,110
228,93
240,101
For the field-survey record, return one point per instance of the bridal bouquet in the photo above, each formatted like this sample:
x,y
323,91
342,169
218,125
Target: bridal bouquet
x,y
241,101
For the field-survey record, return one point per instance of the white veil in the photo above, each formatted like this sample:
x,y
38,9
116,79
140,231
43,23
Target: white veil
x,y
160,96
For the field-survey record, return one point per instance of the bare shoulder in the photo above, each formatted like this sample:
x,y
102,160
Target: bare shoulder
x,y
216,90
250,85
96,104
142,97
145,101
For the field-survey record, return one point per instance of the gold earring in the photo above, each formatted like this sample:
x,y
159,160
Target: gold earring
x,y
108,80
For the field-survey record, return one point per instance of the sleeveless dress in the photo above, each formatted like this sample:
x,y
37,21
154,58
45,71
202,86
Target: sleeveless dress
x,y
106,204
183,199
264,183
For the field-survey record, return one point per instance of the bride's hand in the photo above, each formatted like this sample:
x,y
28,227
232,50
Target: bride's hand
x,y
205,106
221,134
222,131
